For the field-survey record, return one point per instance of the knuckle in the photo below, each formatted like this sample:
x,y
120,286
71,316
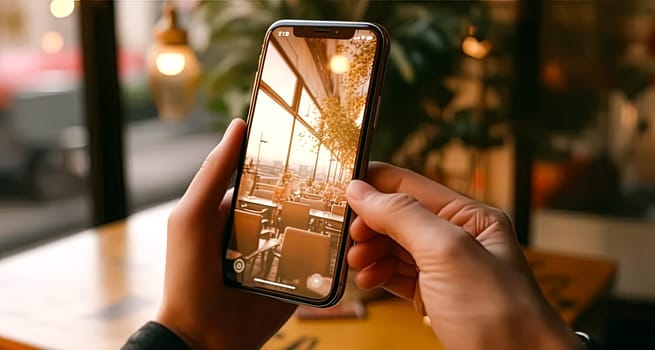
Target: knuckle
x,y
499,216
486,211
454,244
173,218
398,201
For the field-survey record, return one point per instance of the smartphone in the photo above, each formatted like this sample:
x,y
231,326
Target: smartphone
x,y
312,113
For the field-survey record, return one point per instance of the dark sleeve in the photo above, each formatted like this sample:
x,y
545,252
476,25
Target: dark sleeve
x,y
153,335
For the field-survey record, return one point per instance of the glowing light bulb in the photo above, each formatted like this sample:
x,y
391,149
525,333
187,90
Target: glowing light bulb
x,y
62,8
170,63
52,42
339,64
173,68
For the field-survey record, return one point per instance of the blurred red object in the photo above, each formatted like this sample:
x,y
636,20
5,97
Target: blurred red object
x,y
23,69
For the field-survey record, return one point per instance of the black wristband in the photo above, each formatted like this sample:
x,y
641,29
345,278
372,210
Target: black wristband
x,y
153,335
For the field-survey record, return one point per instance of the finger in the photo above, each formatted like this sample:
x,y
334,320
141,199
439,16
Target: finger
x,y
362,255
471,215
389,266
223,210
226,203
359,232
210,182
402,286
402,218
435,197
376,275
383,274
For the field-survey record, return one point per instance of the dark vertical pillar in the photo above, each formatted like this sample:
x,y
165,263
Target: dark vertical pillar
x,y
525,110
103,110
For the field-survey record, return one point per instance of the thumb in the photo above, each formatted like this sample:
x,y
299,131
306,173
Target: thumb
x,y
406,221
210,182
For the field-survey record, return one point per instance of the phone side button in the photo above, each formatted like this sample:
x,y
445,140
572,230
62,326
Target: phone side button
x,y
377,113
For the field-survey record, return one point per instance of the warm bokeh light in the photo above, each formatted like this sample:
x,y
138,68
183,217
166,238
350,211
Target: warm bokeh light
x,y
62,8
339,64
553,76
170,63
52,42
475,48
629,116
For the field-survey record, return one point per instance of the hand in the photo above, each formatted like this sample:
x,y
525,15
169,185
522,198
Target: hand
x,y
196,304
457,258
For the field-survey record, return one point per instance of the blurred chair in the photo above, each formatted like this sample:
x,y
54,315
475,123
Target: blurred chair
x,y
334,233
295,215
47,123
265,185
340,199
262,193
38,117
314,203
265,213
333,227
250,237
312,196
270,180
303,254
338,209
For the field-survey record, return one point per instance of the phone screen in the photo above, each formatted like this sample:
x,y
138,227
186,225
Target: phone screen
x,y
304,137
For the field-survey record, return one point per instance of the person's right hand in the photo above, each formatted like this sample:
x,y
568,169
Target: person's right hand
x,y
457,257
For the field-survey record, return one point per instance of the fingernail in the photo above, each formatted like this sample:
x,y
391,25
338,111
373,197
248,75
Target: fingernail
x,y
358,189
230,126
229,129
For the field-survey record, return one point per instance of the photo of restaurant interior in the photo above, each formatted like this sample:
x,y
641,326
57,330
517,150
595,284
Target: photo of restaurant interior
x,y
299,159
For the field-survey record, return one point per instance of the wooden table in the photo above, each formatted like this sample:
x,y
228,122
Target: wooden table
x,y
573,284
93,289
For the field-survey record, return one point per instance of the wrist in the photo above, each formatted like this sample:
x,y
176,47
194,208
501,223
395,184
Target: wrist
x,y
556,333
177,326
197,333
535,324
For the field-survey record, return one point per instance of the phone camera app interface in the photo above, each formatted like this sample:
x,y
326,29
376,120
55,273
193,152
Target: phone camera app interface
x,y
300,157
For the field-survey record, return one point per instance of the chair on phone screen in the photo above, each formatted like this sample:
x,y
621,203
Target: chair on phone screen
x,y
263,211
312,196
250,238
313,203
263,193
295,215
338,209
332,225
303,254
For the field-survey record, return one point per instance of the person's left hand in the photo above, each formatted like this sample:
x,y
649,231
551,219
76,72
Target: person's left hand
x,y
196,305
